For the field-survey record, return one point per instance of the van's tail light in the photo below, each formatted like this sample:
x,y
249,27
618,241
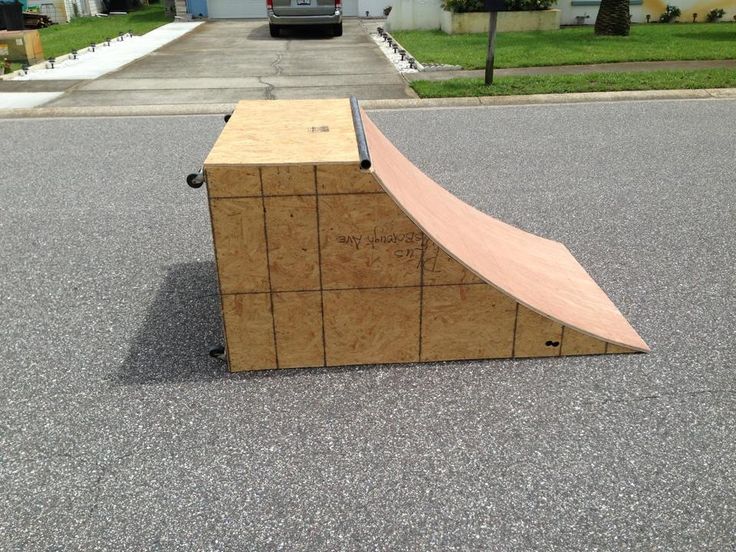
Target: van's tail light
x,y
338,4
269,4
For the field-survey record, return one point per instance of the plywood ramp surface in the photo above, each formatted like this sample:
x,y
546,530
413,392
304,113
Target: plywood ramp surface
x,y
540,274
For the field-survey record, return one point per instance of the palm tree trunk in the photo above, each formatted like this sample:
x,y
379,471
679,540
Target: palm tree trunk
x,y
613,18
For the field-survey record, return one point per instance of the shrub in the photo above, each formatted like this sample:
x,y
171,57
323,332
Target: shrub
x,y
670,14
715,15
462,6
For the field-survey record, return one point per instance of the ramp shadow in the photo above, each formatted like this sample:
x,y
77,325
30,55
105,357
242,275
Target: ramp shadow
x,y
181,325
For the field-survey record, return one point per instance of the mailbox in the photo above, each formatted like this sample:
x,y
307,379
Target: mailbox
x,y
496,5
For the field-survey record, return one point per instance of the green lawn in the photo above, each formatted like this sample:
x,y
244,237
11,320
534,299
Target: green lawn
x,y
61,39
593,82
575,45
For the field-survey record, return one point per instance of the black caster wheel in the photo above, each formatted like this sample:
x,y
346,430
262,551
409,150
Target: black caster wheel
x,y
218,352
195,180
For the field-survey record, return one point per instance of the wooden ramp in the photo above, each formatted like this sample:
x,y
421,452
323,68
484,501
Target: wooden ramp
x,y
321,263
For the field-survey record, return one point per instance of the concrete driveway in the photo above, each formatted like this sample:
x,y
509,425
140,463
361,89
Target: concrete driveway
x,y
226,61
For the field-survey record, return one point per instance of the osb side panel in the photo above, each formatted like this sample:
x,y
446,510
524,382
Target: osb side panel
x,y
465,322
612,349
299,339
363,239
292,242
536,336
288,180
240,244
233,182
249,331
371,326
576,343
345,179
440,268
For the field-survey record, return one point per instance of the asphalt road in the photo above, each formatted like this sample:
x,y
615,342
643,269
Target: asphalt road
x,y
118,432
227,61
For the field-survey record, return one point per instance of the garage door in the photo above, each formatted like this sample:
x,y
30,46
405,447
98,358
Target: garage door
x,y
240,9
350,8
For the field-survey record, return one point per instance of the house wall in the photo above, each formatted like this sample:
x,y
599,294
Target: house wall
x,y
640,8
427,14
373,7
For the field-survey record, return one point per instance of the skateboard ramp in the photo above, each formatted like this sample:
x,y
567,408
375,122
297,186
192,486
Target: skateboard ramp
x,y
332,248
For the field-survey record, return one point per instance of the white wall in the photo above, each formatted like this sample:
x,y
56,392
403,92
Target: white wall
x,y
414,14
373,7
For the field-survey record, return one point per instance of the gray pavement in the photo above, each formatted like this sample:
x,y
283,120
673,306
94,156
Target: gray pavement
x,y
118,432
226,61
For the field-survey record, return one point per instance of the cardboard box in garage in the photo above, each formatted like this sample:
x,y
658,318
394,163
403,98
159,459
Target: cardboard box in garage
x,y
21,46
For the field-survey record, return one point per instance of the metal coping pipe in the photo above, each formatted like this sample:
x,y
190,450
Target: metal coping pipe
x,y
365,157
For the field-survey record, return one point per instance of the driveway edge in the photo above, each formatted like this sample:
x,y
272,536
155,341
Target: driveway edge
x,y
409,103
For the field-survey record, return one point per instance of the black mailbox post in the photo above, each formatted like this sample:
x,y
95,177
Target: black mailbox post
x,y
493,7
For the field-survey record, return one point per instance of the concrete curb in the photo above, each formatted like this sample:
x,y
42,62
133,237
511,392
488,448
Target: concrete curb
x,y
410,103
117,111
541,99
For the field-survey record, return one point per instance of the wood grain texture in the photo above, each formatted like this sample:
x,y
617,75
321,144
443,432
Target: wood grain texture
x,y
292,242
298,319
576,343
240,244
440,268
372,326
233,182
466,322
364,240
345,179
539,273
287,132
295,179
249,332
536,336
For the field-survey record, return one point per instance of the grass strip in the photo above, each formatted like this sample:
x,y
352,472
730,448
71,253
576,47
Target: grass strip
x,y
575,45
592,82
58,40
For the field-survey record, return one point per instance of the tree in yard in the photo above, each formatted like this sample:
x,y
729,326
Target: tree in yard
x,y
613,18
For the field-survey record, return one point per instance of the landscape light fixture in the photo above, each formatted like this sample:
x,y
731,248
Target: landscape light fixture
x,y
74,54
51,61
108,39
92,46
25,67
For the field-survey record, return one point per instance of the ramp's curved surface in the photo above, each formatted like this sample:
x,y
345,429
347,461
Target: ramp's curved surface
x,y
540,274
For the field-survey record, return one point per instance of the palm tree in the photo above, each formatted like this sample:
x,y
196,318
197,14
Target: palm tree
x,y
613,18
